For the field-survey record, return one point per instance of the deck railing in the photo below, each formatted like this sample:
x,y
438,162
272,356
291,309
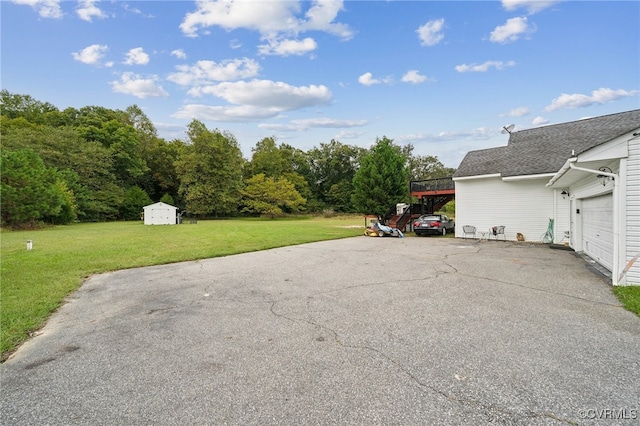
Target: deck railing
x,y
438,184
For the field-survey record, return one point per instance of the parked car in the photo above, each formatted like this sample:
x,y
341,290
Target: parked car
x,y
433,224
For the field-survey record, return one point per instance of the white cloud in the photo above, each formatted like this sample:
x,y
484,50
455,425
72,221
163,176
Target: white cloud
x,y
305,124
499,65
288,47
413,76
126,6
430,33
269,94
87,10
480,133
207,72
599,96
45,8
136,56
517,112
321,16
367,79
225,113
347,134
532,6
511,30
91,55
133,84
179,53
268,17
169,131
265,17
539,121
254,100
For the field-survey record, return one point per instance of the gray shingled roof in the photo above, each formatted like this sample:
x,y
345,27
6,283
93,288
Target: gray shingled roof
x,y
546,149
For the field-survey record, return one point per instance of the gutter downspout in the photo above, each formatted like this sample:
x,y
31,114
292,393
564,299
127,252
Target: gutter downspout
x,y
616,220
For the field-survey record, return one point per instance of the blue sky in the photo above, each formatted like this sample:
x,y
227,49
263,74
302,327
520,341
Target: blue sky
x,y
445,76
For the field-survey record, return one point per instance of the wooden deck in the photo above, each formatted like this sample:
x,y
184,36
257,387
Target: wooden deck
x,y
432,187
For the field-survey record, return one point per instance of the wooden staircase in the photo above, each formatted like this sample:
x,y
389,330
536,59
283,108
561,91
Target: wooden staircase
x,y
433,195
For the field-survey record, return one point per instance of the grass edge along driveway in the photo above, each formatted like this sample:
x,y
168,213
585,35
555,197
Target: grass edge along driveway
x,y
35,282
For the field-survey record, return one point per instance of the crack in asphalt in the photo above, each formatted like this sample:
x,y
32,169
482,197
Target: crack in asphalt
x,y
488,408
584,299
479,249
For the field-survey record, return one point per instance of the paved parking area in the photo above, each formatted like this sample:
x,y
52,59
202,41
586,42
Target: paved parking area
x,y
356,331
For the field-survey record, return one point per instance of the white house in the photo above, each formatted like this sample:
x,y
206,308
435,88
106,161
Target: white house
x,y
160,214
585,175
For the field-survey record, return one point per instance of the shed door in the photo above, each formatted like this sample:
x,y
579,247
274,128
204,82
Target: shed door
x,y
597,229
161,216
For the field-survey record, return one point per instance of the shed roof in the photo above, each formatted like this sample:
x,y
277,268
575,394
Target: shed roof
x,y
545,149
159,204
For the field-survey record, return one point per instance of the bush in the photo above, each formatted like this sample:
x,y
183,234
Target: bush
x,y
327,213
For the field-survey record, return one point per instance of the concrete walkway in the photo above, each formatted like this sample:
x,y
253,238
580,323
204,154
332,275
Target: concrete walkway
x,y
363,331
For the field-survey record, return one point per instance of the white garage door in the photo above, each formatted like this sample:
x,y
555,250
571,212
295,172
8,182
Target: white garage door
x,y
597,229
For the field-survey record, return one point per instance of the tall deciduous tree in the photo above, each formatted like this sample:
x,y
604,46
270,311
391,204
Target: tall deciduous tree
x,y
14,105
161,177
382,179
210,171
128,165
266,159
139,120
333,167
282,161
425,166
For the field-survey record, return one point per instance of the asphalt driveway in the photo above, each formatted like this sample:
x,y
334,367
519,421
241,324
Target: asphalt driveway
x,y
433,331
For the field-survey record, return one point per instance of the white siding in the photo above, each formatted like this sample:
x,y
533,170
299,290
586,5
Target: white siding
x,y
523,206
633,213
562,222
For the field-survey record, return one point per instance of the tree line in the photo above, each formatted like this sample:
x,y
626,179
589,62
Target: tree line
x,y
99,164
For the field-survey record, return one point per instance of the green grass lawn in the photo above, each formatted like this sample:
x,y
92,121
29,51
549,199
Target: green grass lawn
x,y
629,296
35,282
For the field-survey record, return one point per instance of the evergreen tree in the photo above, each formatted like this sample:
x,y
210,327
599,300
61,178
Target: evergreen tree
x,y
167,199
382,179
134,200
29,190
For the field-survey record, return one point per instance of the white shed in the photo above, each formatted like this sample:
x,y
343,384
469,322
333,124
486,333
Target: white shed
x,y
160,214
